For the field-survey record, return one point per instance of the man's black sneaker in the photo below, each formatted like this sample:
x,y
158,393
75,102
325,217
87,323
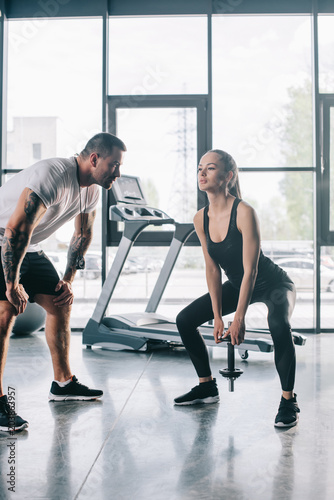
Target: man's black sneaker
x,y
9,420
72,391
288,410
206,392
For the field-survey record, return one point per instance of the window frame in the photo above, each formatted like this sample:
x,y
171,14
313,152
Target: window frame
x,y
111,231
326,103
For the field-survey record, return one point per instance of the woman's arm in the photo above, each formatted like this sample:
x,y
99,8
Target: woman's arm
x,y
213,278
248,225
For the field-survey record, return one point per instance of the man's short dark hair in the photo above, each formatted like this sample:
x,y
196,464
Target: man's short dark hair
x,y
102,144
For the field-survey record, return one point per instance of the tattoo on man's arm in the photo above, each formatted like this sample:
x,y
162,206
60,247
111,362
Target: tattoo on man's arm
x,y
31,205
77,248
73,252
13,247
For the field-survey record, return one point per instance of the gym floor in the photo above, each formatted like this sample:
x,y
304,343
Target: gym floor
x,y
135,445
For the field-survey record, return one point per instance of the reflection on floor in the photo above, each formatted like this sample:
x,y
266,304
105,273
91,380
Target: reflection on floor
x,y
134,444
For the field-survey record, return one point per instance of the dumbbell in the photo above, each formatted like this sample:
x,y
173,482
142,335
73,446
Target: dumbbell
x,y
231,372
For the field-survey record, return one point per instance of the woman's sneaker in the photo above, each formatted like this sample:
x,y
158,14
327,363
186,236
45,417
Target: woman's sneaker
x,y
73,391
288,410
206,392
9,420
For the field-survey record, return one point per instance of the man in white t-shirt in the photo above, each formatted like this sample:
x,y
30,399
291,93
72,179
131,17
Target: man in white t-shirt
x,y
33,205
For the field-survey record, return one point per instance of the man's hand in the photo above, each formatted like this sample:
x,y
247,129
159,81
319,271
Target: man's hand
x,y
18,297
218,330
66,297
236,332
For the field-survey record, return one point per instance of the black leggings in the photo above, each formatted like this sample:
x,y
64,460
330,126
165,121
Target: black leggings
x,y
280,301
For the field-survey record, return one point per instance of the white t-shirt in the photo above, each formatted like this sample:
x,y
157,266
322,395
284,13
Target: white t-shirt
x,y
55,182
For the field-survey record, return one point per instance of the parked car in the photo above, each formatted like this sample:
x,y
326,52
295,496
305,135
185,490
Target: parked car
x,y
141,265
133,265
301,271
93,267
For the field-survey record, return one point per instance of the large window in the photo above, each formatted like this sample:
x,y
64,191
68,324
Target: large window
x,y
327,143
54,87
158,55
262,115
262,97
163,157
284,206
262,89
326,48
54,107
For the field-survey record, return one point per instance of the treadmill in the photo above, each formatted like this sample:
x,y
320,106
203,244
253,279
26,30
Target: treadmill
x,y
148,330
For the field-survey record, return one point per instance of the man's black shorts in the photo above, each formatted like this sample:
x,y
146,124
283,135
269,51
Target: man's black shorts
x,y
37,275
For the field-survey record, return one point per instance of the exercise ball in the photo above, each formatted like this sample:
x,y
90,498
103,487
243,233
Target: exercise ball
x,y
30,321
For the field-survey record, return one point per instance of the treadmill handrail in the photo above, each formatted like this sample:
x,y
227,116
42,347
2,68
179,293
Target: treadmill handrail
x,y
182,232
132,229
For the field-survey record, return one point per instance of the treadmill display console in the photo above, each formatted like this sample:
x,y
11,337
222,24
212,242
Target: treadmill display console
x,y
127,189
129,203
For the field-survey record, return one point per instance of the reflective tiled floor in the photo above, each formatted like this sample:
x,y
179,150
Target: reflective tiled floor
x,y
135,445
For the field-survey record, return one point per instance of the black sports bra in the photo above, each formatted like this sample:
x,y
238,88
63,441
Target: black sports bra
x,y
228,254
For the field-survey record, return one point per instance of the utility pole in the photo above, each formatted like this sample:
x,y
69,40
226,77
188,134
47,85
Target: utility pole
x,y
182,204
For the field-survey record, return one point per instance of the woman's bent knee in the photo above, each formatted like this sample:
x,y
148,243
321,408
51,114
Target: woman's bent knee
x,y
184,321
181,321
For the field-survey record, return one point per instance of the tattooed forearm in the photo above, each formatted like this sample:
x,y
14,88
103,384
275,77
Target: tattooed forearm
x,y
73,252
79,243
77,248
13,248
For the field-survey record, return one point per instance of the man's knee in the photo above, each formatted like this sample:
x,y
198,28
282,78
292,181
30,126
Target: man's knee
x,y
7,315
47,302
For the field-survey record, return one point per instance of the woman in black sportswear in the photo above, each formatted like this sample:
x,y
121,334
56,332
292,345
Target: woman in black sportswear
x,y
229,234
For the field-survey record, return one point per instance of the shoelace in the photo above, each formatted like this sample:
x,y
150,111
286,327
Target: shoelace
x,y
74,379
